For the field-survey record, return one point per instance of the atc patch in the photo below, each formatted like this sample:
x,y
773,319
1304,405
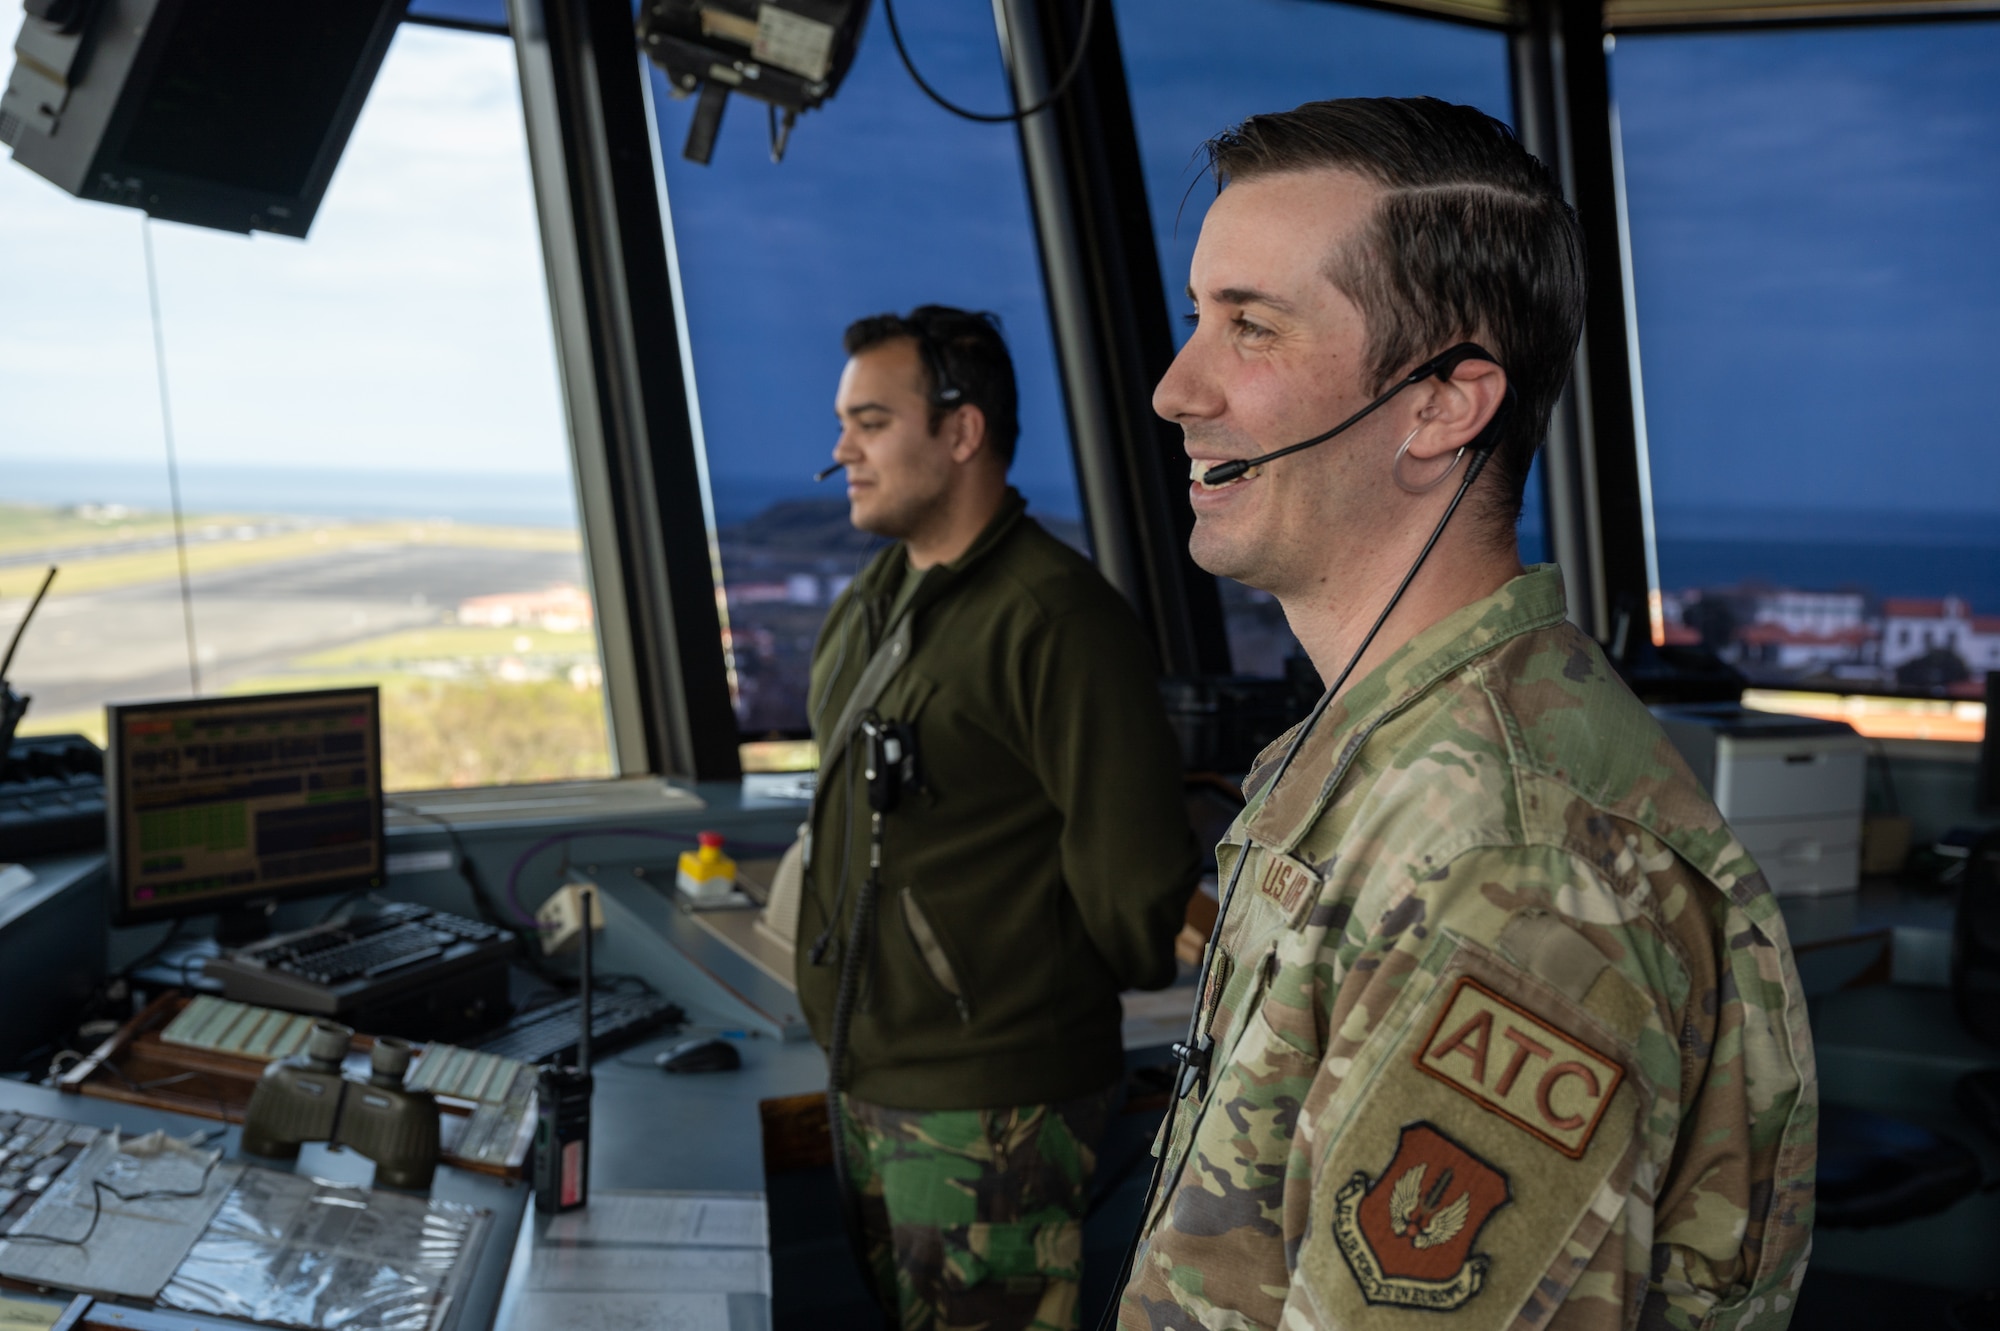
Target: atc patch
x,y
1512,1063
1477,1156
1407,1234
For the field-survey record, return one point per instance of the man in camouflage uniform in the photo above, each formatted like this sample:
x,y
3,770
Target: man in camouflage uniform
x,y
971,1216
1505,1026
1039,862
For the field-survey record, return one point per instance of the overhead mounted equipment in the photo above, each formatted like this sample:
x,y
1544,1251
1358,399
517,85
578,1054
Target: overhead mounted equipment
x,y
228,114
790,55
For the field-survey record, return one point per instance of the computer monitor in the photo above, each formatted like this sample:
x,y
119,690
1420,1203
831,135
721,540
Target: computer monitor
x,y
219,113
224,805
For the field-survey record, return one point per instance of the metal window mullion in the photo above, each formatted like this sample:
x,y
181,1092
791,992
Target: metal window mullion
x,y
1085,376
1569,491
1594,465
639,480
1109,314
576,367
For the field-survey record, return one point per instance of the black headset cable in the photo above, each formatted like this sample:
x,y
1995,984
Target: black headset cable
x,y
1482,452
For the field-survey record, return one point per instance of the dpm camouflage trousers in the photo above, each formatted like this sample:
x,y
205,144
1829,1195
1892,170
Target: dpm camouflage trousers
x,y
973,1218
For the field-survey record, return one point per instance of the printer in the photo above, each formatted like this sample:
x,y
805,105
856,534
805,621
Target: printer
x,y
1790,786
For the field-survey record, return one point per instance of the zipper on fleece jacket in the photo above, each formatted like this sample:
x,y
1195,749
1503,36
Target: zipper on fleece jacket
x,y
932,951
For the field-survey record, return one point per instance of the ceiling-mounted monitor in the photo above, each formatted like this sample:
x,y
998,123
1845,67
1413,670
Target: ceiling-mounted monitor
x,y
228,114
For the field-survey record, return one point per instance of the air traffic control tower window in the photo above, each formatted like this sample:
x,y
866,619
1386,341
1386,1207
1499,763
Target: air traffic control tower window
x,y
883,202
373,461
1811,216
1195,68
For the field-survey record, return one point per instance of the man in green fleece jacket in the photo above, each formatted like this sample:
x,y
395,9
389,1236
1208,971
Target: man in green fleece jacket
x,y
1038,862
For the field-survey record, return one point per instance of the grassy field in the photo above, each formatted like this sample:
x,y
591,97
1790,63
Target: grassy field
x,y
476,732
32,528
416,647
461,706
445,733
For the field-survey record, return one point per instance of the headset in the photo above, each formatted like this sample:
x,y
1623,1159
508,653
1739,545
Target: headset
x,y
1441,366
1195,1053
945,391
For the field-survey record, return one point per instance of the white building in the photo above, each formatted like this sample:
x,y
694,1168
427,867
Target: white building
x,y
1819,614
1983,644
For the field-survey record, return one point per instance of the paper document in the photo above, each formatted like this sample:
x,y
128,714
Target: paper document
x,y
637,1269
623,1312
659,1219
650,1261
21,1315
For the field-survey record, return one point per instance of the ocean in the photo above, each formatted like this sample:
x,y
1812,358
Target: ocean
x,y
504,498
1879,568
1885,554
530,499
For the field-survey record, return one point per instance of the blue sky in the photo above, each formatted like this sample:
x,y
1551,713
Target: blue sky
x,y
886,201
1196,68
883,202
1813,221
410,331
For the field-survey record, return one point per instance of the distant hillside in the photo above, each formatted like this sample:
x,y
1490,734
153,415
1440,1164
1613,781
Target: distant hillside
x,y
808,526
820,527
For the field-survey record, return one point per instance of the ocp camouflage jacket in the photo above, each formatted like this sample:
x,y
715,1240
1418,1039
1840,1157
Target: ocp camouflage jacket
x,y
1507,1027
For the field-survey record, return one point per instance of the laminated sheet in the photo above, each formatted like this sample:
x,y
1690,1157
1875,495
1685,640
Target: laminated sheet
x,y
287,1250
132,1242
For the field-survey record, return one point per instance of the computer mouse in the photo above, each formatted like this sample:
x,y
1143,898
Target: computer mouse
x,y
704,1053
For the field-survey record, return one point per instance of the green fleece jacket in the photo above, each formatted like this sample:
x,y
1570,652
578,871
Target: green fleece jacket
x,y
1044,862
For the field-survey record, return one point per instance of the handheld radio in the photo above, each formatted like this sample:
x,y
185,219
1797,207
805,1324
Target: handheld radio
x,y
562,1106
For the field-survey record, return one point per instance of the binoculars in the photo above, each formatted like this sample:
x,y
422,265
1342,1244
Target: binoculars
x,y
304,1098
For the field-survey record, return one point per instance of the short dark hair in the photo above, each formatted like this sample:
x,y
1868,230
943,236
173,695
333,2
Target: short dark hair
x,y
965,363
1472,240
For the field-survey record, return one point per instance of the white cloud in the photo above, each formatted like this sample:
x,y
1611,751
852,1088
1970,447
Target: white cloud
x,y
411,330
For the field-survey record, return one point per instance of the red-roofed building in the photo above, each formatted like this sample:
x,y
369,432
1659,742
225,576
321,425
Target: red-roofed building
x,y
562,609
1983,644
1793,649
1924,607
1915,626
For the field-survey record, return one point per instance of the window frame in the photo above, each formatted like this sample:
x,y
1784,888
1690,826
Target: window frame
x,y
621,348
628,382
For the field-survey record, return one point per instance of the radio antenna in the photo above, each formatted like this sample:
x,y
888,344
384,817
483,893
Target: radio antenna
x,y
7,662
583,979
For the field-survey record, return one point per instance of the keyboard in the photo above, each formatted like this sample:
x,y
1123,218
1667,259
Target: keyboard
x,y
548,1034
338,957
360,965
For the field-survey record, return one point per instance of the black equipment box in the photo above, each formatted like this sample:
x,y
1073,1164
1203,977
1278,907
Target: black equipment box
x,y
405,970
51,797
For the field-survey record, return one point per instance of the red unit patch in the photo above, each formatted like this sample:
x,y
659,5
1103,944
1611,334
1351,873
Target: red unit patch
x,y
1408,1233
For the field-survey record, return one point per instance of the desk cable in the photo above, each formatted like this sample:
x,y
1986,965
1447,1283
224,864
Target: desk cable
x,y
98,1187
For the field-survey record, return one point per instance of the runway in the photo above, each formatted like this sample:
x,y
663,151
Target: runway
x,y
128,644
